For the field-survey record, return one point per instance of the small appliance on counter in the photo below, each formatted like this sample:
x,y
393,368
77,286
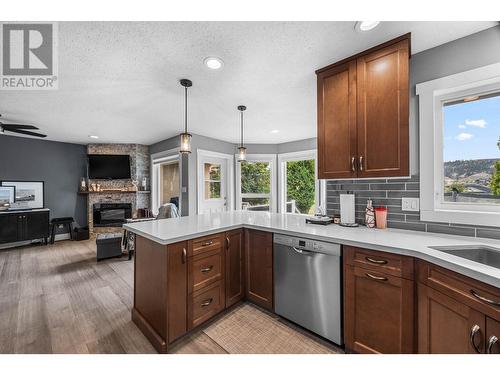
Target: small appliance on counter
x,y
347,211
319,217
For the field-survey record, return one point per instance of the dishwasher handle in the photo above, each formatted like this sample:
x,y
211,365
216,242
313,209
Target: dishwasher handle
x,y
301,251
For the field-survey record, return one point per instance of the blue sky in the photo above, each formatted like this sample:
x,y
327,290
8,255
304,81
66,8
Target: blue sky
x,y
471,130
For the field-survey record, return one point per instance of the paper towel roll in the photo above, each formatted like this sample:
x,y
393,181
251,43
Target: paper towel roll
x,y
347,210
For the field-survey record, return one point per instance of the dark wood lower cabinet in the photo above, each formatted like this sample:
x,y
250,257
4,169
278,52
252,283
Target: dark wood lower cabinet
x,y
259,267
378,312
235,267
492,336
446,326
24,226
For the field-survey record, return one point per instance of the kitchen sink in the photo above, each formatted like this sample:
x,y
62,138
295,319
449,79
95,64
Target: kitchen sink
x,y
489,256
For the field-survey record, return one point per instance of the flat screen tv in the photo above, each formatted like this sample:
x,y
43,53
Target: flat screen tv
x,y
108,167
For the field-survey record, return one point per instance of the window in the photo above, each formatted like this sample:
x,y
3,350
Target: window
x,y
212,180
256,183
300,190
460,174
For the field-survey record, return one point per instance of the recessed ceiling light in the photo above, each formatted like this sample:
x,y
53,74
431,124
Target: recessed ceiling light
x,y
94,136
213,63
366,25
275,131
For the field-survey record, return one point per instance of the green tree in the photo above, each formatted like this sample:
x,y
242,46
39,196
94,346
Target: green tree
x,y
458,186
300,184
255,177
495,179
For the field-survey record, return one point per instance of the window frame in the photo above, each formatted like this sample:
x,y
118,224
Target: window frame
x,y
268,158
432,95
320,196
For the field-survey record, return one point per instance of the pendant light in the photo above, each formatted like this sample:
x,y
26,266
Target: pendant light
x,y
185,137
242,151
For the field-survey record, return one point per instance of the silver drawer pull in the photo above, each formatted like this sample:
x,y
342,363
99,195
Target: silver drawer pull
x,y
376,261
207,269
208,243
379,278
353,164
484,299
492,341
207,302
472,337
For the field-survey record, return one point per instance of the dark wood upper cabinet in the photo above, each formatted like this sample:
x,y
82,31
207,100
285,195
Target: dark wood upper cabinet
x,y
337,122
234,260
363,116
259,267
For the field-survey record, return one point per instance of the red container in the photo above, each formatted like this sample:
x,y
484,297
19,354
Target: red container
x,y
381,217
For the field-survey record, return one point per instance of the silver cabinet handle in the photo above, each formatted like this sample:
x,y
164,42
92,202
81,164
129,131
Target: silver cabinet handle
x,y
379,278
207,302
184,255
492,341
228,242
361,163
484,299
376,261
208,243
207,269
472,336
353,164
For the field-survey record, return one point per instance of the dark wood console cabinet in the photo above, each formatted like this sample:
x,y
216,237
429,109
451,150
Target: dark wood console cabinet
x,y
24,226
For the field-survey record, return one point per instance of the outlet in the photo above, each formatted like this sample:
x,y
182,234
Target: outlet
x,y
410,204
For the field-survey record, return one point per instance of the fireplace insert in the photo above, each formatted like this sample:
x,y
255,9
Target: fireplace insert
x,y
111,214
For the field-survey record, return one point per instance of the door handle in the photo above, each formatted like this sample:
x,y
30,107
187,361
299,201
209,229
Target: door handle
x,y
492,341
184,255
472,336
353,164
228,243
301,251
361,163
207,269
378,278
208,243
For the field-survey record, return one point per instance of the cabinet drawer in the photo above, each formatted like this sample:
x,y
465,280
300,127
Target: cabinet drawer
x,y
473,293
206,303
391,264
204,269
204,244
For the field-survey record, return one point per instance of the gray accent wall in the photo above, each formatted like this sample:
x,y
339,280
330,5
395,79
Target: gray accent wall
x,y
60,165
457,56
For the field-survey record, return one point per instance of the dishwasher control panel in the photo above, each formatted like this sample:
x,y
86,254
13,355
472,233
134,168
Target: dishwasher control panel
x,y
308,244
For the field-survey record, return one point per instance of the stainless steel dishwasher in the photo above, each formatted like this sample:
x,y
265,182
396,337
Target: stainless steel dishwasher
x,y
307,284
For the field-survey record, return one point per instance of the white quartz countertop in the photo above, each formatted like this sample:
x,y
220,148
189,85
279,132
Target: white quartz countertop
x,y
404,242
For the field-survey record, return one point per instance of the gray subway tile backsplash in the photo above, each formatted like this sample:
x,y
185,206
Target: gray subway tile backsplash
x,y
388,192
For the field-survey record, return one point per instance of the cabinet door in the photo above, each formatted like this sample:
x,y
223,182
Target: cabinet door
x,y
379,315
446,326
337,121
36,225
259,267
492,336
382,111
8,228
234,261
177,290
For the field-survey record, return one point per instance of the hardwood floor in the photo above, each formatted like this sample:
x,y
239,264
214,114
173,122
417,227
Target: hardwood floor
x,y
58,299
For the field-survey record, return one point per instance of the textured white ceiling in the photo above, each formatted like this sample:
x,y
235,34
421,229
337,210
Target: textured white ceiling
x,y
119,80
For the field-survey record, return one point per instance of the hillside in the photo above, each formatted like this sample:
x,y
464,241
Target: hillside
x,y
459,169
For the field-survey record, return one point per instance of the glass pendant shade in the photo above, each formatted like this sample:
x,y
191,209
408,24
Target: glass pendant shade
x,y
185,143
242,154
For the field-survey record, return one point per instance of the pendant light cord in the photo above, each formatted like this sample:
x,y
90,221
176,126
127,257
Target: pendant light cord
x,y
186,110
241,143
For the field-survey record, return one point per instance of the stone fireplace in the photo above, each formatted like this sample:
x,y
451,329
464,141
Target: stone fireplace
x,y
120,192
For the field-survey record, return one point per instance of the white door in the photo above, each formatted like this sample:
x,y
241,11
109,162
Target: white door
x,y
213,183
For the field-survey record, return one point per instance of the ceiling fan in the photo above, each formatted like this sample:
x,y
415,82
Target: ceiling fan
x,y
20,128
